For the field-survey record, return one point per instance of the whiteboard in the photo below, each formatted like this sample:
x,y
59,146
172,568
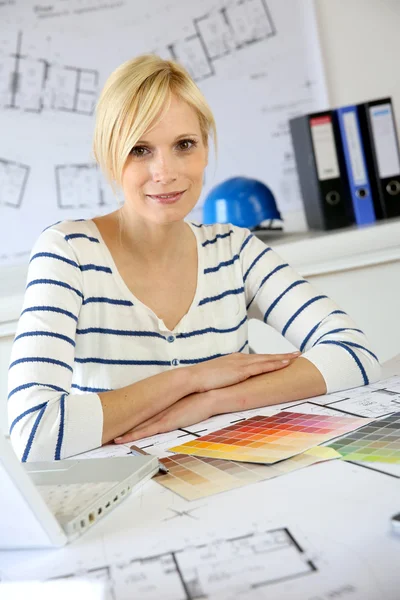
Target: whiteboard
x,y
258,63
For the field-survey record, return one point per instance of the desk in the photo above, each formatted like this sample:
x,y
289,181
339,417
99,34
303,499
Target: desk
x,y
321,533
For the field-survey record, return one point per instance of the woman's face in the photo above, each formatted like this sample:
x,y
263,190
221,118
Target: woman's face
x,y
170,158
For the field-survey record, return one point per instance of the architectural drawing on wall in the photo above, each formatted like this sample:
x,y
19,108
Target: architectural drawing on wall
x,y
13,180
60,8
219,33
238,565
79,186
258,64
33,84
73,89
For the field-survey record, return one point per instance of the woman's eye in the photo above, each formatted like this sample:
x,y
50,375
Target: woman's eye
x,y
183,145
192,144
136,151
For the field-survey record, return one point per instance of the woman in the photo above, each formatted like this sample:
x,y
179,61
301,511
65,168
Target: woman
x,y
135,323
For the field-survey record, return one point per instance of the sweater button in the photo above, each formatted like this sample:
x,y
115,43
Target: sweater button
x,y
175,362
170,338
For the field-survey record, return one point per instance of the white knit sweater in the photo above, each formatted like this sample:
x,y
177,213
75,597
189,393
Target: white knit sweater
x,y
82,331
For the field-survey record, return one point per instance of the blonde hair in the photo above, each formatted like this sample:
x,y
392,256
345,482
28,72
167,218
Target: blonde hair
x,y
130,102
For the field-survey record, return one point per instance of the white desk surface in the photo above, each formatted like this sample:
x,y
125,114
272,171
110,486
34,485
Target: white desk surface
x,y
321,533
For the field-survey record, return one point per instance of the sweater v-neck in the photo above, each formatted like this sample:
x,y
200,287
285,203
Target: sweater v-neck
x,y
130,295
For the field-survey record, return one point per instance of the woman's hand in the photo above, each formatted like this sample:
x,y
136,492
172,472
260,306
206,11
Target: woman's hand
x,y
188,411
210,375
235,368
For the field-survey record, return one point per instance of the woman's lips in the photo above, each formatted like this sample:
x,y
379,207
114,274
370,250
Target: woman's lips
x,y
167,200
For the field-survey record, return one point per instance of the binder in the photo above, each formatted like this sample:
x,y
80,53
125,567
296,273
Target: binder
x,y
320,166
355,164
381,146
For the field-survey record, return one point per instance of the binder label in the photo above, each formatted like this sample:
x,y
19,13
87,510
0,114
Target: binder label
x,y
384,133
324,147
354,147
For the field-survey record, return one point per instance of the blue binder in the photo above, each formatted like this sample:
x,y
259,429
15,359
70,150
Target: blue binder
x,y
356,168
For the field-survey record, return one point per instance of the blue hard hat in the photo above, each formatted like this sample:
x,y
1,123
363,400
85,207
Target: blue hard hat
x,y
241,201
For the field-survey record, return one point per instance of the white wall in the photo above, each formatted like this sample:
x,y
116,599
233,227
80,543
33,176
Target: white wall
x,y
360,45
361,48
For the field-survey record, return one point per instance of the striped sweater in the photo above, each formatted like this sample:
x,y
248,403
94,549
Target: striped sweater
x,y
82,331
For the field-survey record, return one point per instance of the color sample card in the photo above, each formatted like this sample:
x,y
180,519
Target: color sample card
x,y
378,441
194,477
267,440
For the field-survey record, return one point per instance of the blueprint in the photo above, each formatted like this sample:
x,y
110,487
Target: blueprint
x,y
320,533
262,541
258,63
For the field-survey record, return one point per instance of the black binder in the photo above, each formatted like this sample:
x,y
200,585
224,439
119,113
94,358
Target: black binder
x,y
381,147
321,169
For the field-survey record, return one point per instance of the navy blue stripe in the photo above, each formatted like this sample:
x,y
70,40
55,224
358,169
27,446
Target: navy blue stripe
x,y
194,361
126,332
254,262
224,263
219,296
219,236
52,225
26,412
57,455
55,309
89,389
275,302
355,345
92,299
278,268
244,346
296,314
51,361
55,282
199,225
337,331
25,386
314,329
109,361
74,236
32,435
45,334
353,354
246,241
56,256
310,333
135,333
91,267
211,330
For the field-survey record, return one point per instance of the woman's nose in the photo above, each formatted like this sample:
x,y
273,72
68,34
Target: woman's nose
x,y
163,169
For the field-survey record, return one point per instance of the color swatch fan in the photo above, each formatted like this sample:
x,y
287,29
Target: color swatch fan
x,y
194,477
379,441
267,440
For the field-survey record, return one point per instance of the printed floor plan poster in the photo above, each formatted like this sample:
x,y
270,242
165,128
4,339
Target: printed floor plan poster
x,y
258,62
